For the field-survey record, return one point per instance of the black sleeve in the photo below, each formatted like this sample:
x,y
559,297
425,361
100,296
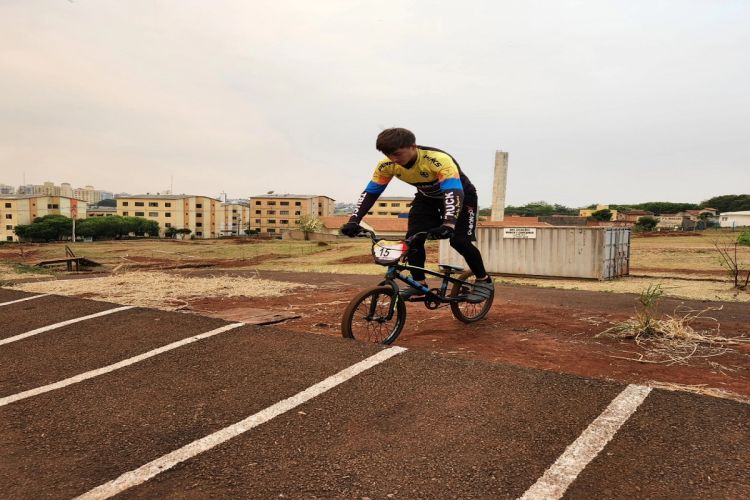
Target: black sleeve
x,y
452,200
365,203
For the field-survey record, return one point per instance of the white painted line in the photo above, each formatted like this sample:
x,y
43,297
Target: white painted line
x,y
161,464
577,456
115,366
24,299
61,324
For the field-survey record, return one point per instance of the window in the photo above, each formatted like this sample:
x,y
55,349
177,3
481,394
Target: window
x,y
153,214
283,212
257,212
153,203
8,227
257,221
199,214
199,205
9,238
395,204
272,212
139,214
7,205
297,212
8,216
297,203
270,230
168,204
52,206
272,221
257,203
382,204
199,233
234,210
198,224
272,203
138,203
124,203
167,224
125,214
382,213
167,214
284,221
285,203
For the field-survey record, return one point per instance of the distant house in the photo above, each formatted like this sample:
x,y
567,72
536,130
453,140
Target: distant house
x,y
735,219
632,215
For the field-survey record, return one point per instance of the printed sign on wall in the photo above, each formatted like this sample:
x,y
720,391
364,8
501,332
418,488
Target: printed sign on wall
x,y
520,232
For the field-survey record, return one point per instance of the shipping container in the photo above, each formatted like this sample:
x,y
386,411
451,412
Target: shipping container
x,y
567,252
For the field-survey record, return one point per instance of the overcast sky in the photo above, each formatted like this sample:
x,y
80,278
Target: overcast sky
x,y
595,101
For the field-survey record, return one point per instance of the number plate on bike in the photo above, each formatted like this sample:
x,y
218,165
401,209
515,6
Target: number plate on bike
x,y
387,253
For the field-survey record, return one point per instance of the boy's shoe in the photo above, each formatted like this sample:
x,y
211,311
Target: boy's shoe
x,y
411,293
481,291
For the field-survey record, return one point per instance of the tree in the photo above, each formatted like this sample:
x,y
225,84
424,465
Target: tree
x,y
109,202
309,224
170,232
602,215
485,212
729,202
646,223
183,232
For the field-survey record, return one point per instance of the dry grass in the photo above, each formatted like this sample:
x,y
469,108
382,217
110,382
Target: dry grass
x,y
161,290
10,273
671,339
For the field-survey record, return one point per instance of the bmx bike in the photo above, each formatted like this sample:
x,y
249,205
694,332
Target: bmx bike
x,y
378,314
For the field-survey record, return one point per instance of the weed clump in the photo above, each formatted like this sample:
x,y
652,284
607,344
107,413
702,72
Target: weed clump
x,y
671,339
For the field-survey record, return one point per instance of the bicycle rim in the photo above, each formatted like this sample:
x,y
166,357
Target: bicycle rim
x,y
466,311
366,316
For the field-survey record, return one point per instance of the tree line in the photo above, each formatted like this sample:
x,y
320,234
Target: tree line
x,y
724,203
59,227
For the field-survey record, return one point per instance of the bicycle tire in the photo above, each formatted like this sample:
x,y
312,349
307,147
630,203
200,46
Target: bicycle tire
x,y
356,325
466,311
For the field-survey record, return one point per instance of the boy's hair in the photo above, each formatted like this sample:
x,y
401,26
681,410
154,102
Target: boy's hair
x,y
391,139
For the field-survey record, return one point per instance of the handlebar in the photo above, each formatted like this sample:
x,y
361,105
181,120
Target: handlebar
x,y
371,234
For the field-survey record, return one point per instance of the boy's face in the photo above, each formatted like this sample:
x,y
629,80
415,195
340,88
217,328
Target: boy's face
x,y
402,156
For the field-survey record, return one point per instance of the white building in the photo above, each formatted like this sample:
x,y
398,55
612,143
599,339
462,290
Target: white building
x,y
735,219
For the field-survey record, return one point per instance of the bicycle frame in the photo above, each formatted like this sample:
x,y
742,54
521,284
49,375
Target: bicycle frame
x,y
432,300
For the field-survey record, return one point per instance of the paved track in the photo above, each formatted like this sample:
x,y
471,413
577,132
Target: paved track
x,y
413,425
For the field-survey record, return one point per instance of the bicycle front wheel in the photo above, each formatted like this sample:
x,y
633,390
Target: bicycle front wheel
x,y
467,311
366,317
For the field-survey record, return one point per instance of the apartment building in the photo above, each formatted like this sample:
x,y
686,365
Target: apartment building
x,y
23,209
274,213
6,189
200,214
233,219
87,194
391,206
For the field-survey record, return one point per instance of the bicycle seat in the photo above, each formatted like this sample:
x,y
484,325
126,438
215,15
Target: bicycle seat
x,y
448,267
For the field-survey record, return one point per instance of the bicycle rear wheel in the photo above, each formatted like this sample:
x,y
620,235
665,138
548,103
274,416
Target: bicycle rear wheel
x,y
366,316
466,311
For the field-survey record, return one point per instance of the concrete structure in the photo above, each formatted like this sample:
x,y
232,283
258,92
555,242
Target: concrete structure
x,y
391,206
675,222
735,219
274,213
23,209
203,215
499,186
595,253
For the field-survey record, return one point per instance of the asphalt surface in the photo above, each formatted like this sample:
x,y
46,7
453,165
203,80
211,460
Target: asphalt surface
x,y
417,425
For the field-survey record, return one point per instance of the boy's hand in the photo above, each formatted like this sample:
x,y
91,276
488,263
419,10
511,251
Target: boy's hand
x,y
440,233
351,229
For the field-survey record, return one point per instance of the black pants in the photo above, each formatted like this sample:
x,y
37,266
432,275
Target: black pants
x,y
427,213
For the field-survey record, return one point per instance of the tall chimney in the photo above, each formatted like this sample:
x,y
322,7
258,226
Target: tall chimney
x,y
499,186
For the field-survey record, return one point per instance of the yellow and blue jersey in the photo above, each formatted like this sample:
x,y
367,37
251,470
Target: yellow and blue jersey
x,y
433,173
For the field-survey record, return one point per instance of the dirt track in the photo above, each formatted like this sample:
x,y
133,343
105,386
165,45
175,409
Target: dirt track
x,y
543,328
420,424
